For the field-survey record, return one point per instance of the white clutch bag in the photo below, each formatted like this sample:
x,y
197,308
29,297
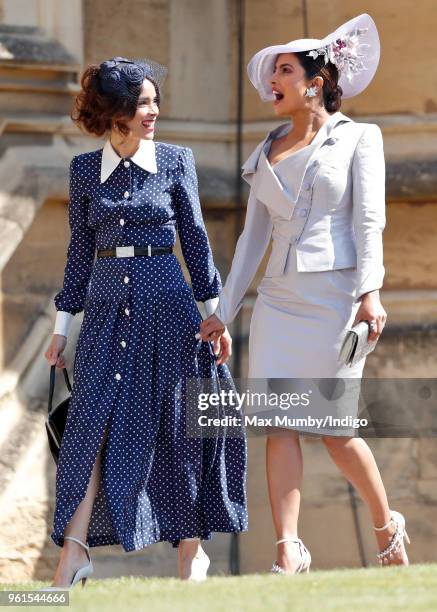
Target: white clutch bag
x,y
356,345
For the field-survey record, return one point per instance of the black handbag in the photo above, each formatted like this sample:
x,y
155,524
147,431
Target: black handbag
x,y
57,417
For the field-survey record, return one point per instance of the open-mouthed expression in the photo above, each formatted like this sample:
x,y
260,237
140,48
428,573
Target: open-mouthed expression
x,y
288,84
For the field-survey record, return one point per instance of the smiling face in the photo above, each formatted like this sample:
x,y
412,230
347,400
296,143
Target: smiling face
x,y
142,125
289,83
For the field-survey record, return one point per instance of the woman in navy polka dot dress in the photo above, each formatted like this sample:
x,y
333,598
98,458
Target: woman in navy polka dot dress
x,y
128,473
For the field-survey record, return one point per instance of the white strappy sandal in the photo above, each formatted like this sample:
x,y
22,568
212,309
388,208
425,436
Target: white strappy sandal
x,y
199,568
397,541
81,574
304,558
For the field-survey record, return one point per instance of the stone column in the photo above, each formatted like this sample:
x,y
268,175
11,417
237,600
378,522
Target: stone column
x,y
200,49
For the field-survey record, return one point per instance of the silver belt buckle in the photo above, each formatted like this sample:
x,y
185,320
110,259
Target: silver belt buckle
x,y
124,251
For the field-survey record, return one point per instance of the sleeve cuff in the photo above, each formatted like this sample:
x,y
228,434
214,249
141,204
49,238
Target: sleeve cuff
x,y
63,323
211,306
208,307
373,281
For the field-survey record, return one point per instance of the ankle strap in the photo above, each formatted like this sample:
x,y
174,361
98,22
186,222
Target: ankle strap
x,y
78,541
384,526
288,540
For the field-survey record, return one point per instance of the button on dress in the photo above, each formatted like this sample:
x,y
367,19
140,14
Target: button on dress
x,y
135,352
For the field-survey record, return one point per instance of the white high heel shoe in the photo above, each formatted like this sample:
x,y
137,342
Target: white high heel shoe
x,y
304,558
397,541
199,566
81,574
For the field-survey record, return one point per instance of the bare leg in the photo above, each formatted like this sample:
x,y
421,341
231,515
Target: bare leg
x,y
356,461
73,555
284,468
188,551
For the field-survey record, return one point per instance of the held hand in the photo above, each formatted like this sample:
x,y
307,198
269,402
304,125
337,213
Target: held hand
x,y
211,328
371,309
54,352
223,347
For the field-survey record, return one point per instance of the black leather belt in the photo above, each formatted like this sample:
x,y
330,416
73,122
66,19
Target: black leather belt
x,y
133,251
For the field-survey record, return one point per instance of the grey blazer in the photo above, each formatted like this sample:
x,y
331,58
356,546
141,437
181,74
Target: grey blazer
x,y
341,197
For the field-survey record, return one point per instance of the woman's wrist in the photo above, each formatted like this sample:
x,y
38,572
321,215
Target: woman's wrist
x,y
368,295
373,293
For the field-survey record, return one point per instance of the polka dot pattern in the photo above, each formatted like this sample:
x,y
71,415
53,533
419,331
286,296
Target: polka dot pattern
x,y
135,352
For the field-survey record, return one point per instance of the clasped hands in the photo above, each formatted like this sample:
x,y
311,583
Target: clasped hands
x,y
213,330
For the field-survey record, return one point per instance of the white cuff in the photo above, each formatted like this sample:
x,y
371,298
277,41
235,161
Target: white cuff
x,y
211,306
63,323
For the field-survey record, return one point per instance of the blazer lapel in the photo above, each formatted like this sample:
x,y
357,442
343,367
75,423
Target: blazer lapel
x,y
259,174
325,136
250,165
269,189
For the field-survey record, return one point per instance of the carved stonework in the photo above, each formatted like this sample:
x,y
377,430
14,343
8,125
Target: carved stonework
x,y
37,75
26,44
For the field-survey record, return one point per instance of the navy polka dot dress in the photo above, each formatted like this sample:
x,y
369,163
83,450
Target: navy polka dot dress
x,y
135,351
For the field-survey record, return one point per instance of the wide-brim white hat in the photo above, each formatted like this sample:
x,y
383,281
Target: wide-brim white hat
x,y
357,64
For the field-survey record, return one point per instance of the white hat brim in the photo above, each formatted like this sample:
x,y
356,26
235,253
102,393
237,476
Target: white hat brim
x,y
261,66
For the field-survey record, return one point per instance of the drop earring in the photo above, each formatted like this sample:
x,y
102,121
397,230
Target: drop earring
x,y
310,92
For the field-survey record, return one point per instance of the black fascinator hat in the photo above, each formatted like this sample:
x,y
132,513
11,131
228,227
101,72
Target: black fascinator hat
x,y
122,78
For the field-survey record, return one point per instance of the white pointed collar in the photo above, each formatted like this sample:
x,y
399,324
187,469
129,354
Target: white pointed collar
x,y
144,156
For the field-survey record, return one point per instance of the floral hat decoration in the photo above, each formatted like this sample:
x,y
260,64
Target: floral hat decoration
x,y
120,76
354,48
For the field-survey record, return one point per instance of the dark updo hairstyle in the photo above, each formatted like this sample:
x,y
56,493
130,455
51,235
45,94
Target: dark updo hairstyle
x,y
332,91
109,94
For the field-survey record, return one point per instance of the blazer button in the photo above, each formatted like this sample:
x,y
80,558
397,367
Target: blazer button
x,y
303,212
307,186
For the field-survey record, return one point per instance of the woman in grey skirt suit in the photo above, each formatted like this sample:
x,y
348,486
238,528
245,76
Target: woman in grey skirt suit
x,y
318,190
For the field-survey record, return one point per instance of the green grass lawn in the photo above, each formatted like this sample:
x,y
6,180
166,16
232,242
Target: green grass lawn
x,y
372,589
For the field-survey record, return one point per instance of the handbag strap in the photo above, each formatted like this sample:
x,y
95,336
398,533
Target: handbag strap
x,y
52,384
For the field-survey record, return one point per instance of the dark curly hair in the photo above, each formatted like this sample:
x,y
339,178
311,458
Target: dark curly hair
x,y
332,91
109,95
